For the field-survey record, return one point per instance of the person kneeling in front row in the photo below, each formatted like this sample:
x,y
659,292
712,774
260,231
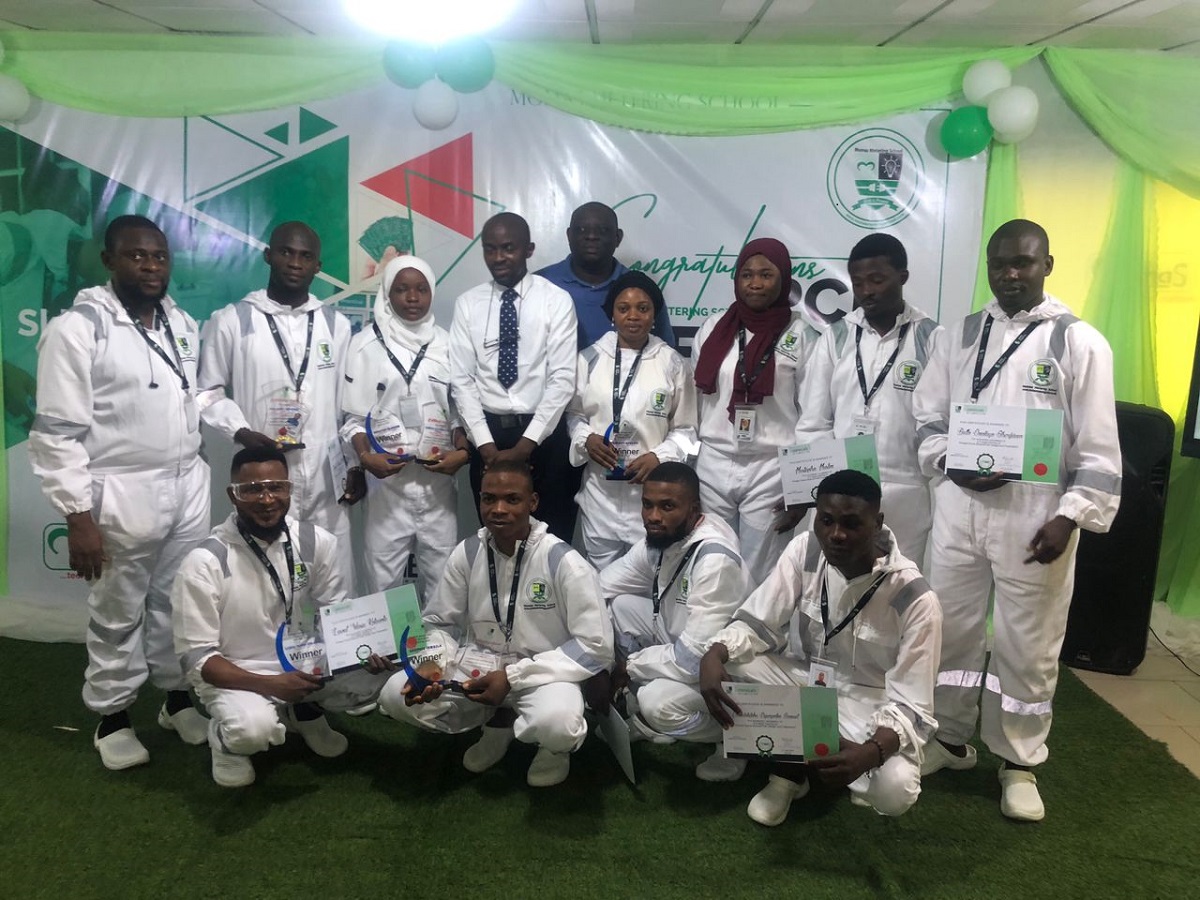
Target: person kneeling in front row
x,y
860,613
518,619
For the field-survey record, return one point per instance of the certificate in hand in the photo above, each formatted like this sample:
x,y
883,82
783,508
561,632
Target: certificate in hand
x,y
804,466
1024,444
769,726
355,629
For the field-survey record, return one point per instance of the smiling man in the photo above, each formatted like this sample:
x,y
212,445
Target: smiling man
x,y
518,619
259,579
844,602
667,597
861,377
116,444
1024,349
512,365
280,355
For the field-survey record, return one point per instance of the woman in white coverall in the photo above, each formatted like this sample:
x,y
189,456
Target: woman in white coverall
x,y
399,373
634,407
748,364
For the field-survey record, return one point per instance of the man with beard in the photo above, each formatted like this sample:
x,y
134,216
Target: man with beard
x,y
280,354
116,444
518,620
667,597
842,600
254,584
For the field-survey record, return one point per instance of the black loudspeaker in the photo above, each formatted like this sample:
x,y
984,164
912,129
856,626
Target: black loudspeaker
x,y
1109,620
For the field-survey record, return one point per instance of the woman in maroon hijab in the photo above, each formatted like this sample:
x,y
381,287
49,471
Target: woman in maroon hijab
x,y
748,367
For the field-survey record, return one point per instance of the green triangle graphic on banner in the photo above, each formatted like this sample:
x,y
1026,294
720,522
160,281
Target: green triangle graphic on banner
x,y
279,133
312,125
311,189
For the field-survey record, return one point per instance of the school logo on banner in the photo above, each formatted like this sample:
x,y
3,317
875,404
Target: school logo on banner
x,y
874,178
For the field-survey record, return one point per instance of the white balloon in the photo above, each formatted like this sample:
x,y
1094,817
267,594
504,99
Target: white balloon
x,y
436,104
983,79
14,99
1013,111
1012,137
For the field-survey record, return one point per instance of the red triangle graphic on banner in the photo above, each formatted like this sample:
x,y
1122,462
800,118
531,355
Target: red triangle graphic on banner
x,y
439,184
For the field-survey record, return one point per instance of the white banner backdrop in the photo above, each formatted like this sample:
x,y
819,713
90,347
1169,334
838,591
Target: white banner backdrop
x,y
366,176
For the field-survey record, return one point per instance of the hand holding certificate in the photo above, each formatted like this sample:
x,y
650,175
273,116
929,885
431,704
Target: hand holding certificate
x,y
377,624
782,722
805,466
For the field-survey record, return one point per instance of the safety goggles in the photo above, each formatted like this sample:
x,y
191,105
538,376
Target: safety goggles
x,y
258,490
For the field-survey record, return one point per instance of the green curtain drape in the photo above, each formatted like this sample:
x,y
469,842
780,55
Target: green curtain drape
x,y
1142,104
172,75
737,89
1001,202
1121,299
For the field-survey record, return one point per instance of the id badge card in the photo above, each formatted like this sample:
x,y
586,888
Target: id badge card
x,y
864,424
191,413
410,412
744,419
489,636
474,662
822,673
285,418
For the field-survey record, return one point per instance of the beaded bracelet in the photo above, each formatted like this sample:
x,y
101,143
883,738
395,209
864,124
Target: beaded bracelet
x,y
879,747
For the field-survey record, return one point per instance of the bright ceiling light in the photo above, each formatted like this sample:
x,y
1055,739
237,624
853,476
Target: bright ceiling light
x,y
429,21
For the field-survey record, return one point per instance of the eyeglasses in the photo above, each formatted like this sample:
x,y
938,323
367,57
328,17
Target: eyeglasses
x,y
258,490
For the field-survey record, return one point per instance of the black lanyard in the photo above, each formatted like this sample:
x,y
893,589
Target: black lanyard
x,y
858,607
512,594
161,320
748,381
297,379
862,377
269,566
620,393
407,374
978,383
656,596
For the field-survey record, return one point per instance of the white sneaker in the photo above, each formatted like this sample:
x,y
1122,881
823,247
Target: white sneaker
x,y
120,750
365,710
191,727
488,750
640,731
770,805
548,768
321,739
718,768
1019,797
937,757
231,770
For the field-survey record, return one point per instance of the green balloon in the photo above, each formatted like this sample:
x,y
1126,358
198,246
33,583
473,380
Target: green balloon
x,y
408,65
466,65
966,131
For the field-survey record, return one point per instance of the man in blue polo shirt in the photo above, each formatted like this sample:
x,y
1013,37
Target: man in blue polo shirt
x,y
590,268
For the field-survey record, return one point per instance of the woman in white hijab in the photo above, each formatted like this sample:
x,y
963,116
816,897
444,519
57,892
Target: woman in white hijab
x,y
398,377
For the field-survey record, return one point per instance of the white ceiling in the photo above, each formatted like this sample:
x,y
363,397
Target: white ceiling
x,y
1171,25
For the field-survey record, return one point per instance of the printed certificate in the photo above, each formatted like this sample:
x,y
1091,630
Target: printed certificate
x,y
354,629
1024,444
804,466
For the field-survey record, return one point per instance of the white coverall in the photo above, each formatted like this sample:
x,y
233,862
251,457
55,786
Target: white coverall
x,y
240,357
659,411
886,657
662,653
980,540
225,604
117,434
561,637
740,480
414,510
832,406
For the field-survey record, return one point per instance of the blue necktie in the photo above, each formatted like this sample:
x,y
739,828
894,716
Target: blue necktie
x,y
506,371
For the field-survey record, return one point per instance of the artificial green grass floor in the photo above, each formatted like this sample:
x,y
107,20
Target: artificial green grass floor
x,y
398,815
